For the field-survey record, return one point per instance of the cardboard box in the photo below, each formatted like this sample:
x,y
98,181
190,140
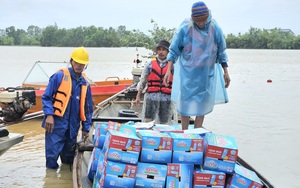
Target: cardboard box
x,y
100,167
180,175
118,175
101,129
209,178
221,153
179,126
187,148
123,141
99,134
244,178
118,155
200,131
167,129
156,147
93,163
151,175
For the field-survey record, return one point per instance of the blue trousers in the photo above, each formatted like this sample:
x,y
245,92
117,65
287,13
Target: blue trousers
x,y
59,146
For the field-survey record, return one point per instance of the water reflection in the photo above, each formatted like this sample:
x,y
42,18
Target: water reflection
x,y
60,178
24,164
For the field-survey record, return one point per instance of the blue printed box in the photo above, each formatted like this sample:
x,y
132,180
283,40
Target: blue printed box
x,y
221,153
93,163
127,140
244,178
99,134
111,181
200,131
101,129
167,129
209,178
187,148
118,175
150,175
118,155
179,126
156,147
180,175
100,166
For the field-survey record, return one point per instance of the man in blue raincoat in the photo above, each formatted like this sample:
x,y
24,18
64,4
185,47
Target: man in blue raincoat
x,y
67,104
198,52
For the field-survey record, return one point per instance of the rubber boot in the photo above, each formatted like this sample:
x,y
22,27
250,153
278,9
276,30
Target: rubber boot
x,y
51,163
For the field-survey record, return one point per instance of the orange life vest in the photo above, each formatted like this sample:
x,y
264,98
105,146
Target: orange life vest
x,y
155,79
63,94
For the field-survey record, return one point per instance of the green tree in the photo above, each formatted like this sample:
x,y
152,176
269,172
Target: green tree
x,y
111,38
62,34
76,36
296,42
159,33
33,38
34,31
15,34
49,36
88,38
232,41
6,41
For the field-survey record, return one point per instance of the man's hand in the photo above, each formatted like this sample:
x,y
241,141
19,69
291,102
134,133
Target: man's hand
x,y
85,135
227,80
168,74
49,123
226,77
166,78
138,99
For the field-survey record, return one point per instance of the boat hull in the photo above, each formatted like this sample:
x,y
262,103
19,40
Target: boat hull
x,y
9,141
100,91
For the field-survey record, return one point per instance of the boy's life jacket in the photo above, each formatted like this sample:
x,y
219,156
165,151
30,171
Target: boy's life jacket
x,y
155,79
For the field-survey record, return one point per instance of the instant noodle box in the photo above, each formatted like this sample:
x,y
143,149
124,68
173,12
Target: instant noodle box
x,y
187,148
156,147
123,141
209,178
244,178
118,175
151,175
221,153
167,129
101,129
180,175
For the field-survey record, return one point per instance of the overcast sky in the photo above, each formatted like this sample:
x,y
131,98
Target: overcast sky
x,y
234,16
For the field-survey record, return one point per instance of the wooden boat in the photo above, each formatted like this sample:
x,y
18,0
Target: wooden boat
x,y
120,108
10,140
37,79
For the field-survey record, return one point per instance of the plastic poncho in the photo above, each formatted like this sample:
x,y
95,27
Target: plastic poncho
x,y
198,78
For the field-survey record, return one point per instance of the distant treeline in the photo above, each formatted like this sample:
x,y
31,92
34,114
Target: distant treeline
x,y
264,39
84,36
121,37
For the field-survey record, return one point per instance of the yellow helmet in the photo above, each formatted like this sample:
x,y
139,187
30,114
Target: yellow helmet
x,y
80,55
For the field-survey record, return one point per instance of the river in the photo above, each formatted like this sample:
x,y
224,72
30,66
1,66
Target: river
x,y
262,116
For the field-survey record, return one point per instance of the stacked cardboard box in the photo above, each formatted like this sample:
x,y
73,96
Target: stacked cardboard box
x,y
166,156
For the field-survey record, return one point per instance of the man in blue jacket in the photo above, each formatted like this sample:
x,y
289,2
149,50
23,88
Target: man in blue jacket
x,y
67,104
